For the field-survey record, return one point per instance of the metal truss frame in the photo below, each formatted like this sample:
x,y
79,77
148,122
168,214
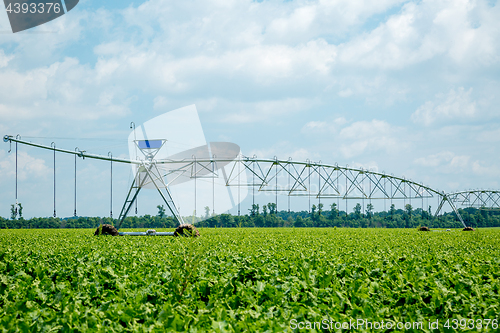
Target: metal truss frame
x,y
286,176
480,199
359,183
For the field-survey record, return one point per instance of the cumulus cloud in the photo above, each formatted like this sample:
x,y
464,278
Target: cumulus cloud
x,y
4,59
461,31
64,89
264,110
284,150
329,127
370,136
485,170
445,160
488,135
278,50
27,166
456,105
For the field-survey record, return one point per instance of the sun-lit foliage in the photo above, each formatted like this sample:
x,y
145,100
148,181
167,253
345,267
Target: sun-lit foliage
x,y
244,279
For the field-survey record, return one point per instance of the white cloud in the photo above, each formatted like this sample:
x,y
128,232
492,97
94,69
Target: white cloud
x,y
261,111
446,161
66,90
488,135
160,102
456,105
28,167
321,127
284,150
4,59
462,31
370,136
345,93
488,171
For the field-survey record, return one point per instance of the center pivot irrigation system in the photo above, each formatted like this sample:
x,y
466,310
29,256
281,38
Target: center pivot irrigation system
x,y
148,174
158,166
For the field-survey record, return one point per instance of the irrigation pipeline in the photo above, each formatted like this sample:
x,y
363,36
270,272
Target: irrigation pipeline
x,y
79,153
299,172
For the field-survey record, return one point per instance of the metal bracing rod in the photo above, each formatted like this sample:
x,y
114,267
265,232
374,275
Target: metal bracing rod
x,y
410,185
329,181
457,213
298,179
398,188
265,182
445,198
252,169
126,208
147,168
351,182
235,173
170,205
496,201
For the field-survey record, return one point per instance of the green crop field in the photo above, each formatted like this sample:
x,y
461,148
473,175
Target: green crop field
x,y
256,280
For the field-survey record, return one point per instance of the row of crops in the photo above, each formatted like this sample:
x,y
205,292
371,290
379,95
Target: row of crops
x,y
235,280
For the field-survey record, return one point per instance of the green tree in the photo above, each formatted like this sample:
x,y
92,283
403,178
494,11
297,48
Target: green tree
x,y
207,212
254,210
369,211
227,221
272,208
20,211
299,222
409,210
13,212
334,212
161,211
392,211
407,216
357,211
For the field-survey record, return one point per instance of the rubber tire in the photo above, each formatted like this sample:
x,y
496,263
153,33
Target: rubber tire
x,y
186,230
106,229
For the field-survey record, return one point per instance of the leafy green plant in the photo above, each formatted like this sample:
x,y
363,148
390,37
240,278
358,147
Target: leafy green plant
x,y
240,280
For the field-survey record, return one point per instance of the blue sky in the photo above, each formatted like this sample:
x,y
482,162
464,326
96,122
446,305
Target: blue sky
x,y
408,87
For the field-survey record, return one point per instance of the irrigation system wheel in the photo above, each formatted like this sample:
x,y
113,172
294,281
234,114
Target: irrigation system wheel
x,y
106,229
186,230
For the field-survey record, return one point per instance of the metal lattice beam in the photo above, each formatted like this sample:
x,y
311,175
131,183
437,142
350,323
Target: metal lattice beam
x,y
293,178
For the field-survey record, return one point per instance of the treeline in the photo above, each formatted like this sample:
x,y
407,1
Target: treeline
x,y
145,221
269,217
319,218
